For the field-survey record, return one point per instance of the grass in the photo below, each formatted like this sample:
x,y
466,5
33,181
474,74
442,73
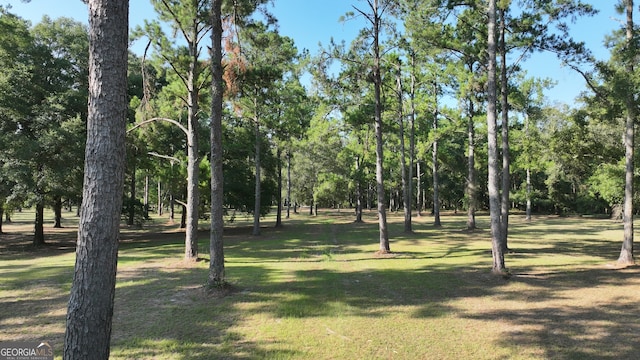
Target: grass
x,y
316,290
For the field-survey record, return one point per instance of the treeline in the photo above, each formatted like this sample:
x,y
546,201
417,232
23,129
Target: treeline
x,y
302,129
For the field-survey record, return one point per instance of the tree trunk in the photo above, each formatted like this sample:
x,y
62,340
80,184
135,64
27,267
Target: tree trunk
x,y
419,188
57,213
492,140
626,253
279,199
257,202
159,198
183,217
434,159
412,130
193,159
146,197
358,192
132,197
288,184
471,169
377,83
506,181
1,214
528,210
216,248
88,325
38,237
406,196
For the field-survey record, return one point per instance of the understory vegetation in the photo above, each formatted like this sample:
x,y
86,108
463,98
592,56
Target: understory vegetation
x,y
314,289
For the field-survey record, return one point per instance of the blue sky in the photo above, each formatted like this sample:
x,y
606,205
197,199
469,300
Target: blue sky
x,y
310,22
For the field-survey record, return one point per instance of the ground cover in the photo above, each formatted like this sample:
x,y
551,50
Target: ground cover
x,y
316,289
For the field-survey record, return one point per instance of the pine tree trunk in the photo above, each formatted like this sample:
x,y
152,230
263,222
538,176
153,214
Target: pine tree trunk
x,y
492,140
193,159
377,83
412,131
288,184
506,181
406,196
626,253
90,311
257,202
471,169
434,164
279,195
216,248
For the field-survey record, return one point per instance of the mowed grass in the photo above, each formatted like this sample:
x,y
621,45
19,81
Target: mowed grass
x,y
315,289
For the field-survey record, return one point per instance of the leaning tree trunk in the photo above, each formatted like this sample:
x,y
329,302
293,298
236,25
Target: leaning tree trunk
x,y
90,311
492,140
626,253
216,248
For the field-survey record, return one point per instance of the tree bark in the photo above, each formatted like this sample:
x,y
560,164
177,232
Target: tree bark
x,y
492,140
377,84
506,160
216,247
257,202
193,158
434,166
406,195
57,213
626,253
279,199
288,184
412,130
38,236
90,311
471,169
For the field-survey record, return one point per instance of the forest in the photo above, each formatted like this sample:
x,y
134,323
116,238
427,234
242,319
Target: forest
x,y
427,111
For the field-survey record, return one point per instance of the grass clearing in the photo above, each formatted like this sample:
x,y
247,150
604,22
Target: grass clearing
x,y
315,289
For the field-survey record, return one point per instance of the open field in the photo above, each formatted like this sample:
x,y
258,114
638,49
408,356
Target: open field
x,y
315,290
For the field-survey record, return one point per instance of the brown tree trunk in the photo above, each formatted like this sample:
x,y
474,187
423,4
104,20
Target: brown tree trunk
x,y
492,140
90,311
257,199
506,174
57,213
377,84
38,236
434,164
279,195
626,253
216,249
471,169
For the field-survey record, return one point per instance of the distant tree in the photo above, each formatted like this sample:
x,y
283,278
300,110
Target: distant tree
x,y
90,311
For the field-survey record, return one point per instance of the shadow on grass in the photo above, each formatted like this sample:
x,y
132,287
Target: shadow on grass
x,y
161,308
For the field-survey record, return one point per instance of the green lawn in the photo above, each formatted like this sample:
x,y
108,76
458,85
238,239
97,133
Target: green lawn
x,y
315,289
